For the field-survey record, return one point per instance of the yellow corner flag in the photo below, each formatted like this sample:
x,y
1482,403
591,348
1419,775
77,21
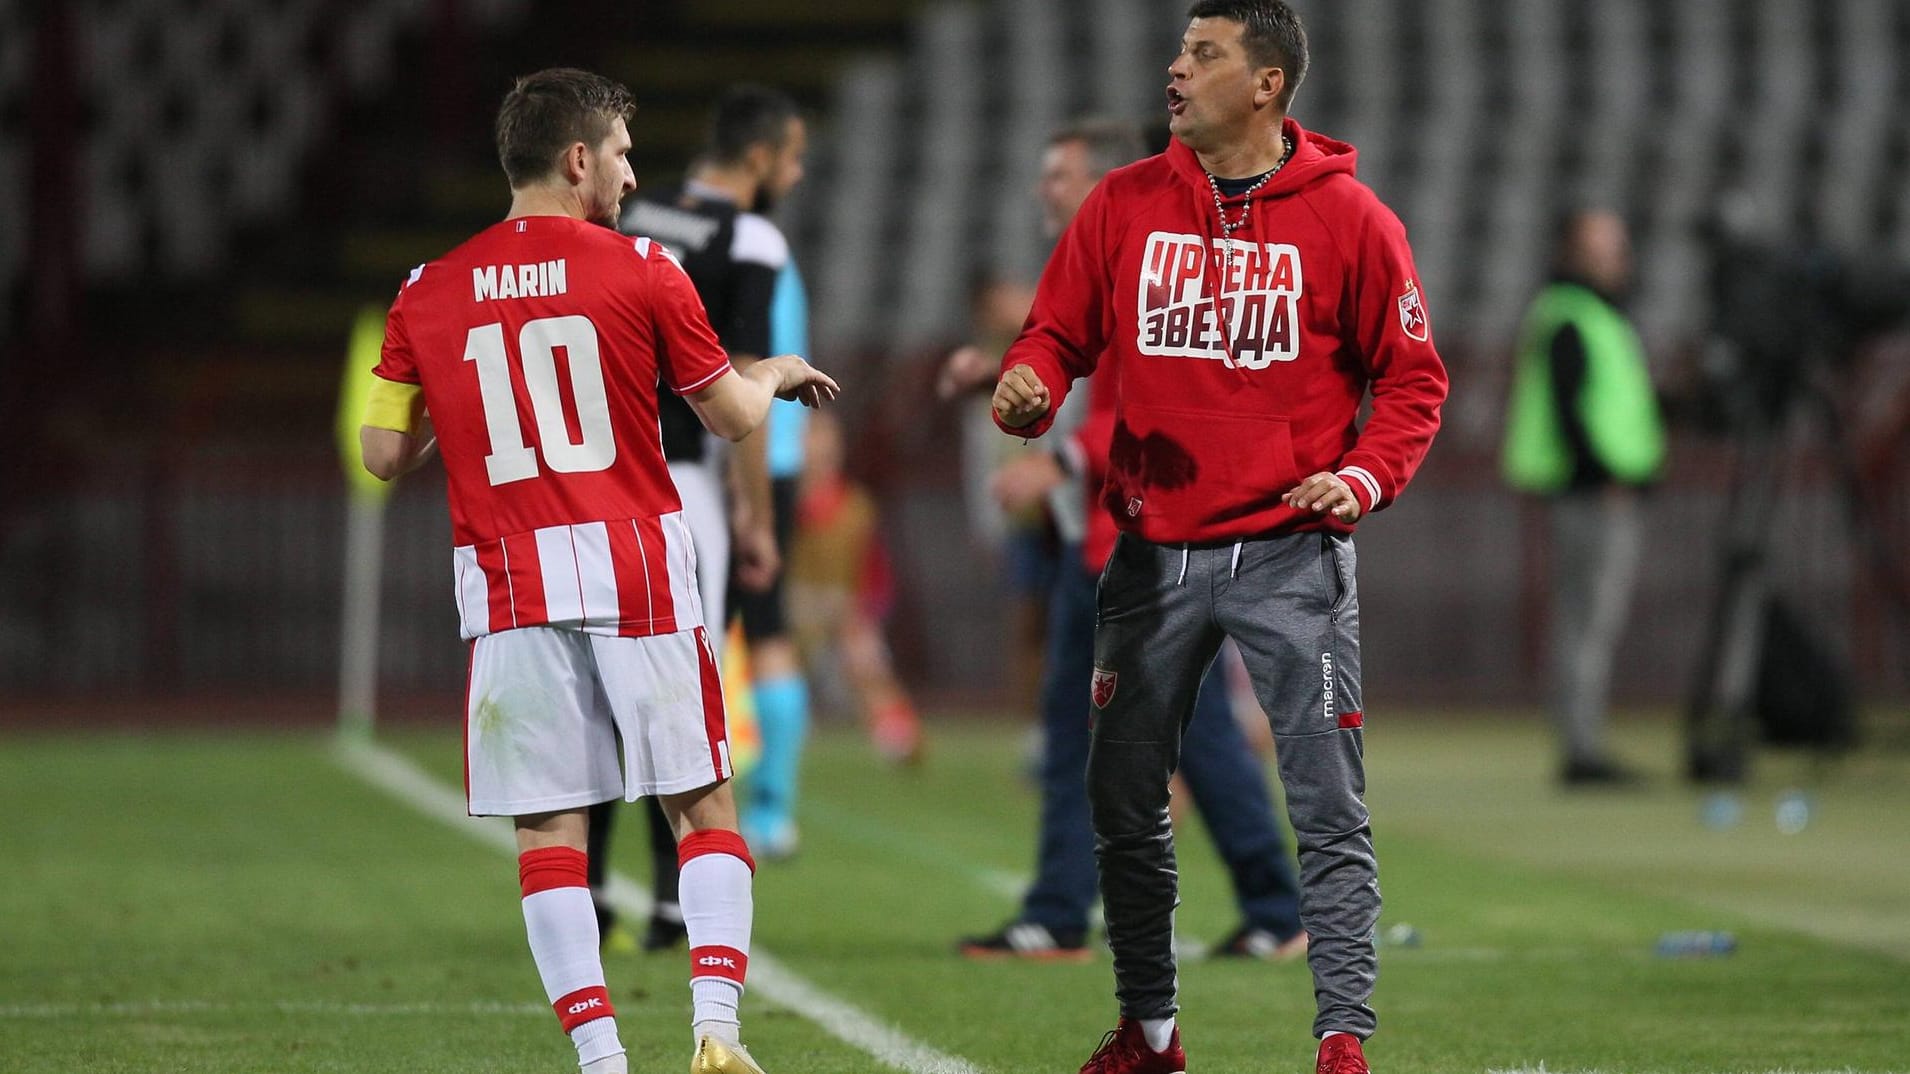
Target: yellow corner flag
x,y
746,739
364,533
361,357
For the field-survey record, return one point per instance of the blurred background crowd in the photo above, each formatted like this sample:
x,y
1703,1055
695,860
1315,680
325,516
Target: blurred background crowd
x,y
201,196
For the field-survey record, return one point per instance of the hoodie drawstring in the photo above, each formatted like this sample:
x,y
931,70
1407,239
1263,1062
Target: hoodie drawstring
x,y
1233,570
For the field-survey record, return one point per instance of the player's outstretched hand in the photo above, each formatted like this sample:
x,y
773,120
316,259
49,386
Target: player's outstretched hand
x,y
804,382
1020,398
1325,492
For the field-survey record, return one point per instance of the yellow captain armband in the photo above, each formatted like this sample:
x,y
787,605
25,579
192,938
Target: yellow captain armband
x,y
392,405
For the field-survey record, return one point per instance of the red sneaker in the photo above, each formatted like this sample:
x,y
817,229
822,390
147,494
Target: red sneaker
x,y
1340,1054
1124,1051
896,732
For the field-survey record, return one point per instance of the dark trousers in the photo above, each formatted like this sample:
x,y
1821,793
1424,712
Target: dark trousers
x,y
1221,771
1292,606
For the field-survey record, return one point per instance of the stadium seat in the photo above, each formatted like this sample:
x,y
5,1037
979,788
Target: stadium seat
x,y
1477,119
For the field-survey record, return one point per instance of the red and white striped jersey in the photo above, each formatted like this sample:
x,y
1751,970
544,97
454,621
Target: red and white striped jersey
x,y
539,345
632,576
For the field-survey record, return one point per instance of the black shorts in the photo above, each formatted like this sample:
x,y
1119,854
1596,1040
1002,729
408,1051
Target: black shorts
x,y
762,613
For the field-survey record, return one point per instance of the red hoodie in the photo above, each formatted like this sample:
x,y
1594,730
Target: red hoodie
x,y
1209,430
1089,451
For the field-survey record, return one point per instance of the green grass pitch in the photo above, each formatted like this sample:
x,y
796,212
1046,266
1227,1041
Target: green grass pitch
x,y
244,903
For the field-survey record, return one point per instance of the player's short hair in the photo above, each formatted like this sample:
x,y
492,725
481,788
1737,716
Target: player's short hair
x,y
547,112
1110,143
747,116
1274,36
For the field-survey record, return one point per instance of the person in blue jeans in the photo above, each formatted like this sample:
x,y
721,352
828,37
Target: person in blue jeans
x,y
1220,769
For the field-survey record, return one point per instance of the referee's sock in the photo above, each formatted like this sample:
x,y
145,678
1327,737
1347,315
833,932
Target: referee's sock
x,y
782,717
663,859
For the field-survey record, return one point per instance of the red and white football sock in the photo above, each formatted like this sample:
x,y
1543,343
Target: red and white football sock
x,y
716,874
562,925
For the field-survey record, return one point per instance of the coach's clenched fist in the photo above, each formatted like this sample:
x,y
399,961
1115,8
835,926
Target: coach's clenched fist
x,y
1020,398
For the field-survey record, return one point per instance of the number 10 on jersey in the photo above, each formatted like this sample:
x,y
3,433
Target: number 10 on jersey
x,y
511,459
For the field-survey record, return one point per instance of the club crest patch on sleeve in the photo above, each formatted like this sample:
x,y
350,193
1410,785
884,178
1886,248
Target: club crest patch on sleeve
x,y
1102,687
1412,315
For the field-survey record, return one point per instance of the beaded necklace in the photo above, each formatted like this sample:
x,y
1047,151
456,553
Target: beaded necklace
x,y
1227,239
1246,206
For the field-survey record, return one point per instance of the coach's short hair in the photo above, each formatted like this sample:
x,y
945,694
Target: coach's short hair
x,y
1110,143
547,112
1274,36
747,116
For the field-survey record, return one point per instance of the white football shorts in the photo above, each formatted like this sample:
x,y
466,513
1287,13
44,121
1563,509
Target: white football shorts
x,y
699,485
547,710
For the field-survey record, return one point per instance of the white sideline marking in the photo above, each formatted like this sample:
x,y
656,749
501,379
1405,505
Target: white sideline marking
x,y
769,978
1005,883
151,1008
1508,954
1540,1069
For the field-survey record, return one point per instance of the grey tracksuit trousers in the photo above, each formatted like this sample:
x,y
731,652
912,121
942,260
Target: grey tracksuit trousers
x,y
1596,540
1291,605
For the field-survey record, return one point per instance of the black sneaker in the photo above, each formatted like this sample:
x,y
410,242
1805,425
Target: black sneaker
x,y
1591,772
1256,941
1027,940
665,929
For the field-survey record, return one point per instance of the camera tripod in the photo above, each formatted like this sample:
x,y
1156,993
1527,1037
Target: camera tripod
x,y
1734,667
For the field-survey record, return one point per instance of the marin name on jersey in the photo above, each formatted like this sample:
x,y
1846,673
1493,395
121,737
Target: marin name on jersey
x,y
1259,293
539,280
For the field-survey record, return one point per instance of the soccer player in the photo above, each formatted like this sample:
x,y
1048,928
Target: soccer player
x,y
741,266
739,263
1254,294
841,586
535,348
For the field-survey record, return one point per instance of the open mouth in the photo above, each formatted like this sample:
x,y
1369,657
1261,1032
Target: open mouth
x,y
1176,103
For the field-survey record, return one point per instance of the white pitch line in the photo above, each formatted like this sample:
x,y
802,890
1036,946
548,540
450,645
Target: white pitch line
x,y
1541,1069
1508,954
1005,883
848,1023
152,1008
769,978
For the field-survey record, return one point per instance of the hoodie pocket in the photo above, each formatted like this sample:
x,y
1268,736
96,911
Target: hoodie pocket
x,y
1200,465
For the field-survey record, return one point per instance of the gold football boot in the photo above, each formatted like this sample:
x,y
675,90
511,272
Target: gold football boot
x,y
715,1057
